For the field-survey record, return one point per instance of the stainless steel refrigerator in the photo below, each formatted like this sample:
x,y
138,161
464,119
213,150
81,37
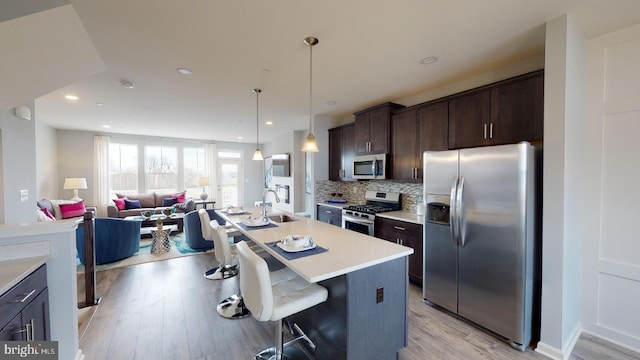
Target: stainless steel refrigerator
x,y
479,236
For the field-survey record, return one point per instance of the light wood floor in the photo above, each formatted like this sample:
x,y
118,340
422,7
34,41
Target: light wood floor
x,y
166,310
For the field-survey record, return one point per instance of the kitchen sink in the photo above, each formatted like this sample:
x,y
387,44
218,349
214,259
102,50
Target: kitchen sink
x,y
282,218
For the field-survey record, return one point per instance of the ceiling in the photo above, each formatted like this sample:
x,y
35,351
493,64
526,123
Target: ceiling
x,y
369,52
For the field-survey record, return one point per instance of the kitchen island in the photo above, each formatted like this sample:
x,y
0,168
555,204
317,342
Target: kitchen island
x,y
365,316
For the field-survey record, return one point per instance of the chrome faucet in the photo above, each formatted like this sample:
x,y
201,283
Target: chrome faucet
x,y
264,204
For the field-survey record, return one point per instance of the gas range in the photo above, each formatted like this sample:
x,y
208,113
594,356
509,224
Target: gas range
x,y
361,217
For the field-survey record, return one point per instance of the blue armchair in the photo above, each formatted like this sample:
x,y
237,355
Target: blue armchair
x,y
193,231
115,239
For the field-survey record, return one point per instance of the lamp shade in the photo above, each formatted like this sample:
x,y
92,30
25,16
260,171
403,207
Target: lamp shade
x,y
75,183
203,181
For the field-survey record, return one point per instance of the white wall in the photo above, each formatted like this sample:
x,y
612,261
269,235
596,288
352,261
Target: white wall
x,y
46,162
611,268
18,170
564,63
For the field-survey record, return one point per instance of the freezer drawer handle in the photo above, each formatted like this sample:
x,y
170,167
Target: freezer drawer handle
x,y
399,228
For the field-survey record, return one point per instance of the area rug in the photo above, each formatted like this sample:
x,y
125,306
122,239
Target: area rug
x,y
179,247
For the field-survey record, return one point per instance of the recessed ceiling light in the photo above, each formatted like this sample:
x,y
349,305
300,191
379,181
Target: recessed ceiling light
x,y
239,137
127,84
106,126
269,123
71,97
428,60
265,71
331,102
184,71
99,103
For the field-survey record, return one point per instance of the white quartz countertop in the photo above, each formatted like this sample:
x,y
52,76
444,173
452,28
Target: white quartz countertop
x,y
403,216
348,250
13,271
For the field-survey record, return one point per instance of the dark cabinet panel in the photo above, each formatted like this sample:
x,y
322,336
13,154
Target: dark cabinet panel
x,y
13,330
407,234
433,124
404,142
341,152
372,129
413,132
362,133
329,215
517,111
25,309
36,314
503,113
469,117
379,121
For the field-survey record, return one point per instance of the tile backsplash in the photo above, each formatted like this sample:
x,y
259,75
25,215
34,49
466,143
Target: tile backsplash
x,y
353,191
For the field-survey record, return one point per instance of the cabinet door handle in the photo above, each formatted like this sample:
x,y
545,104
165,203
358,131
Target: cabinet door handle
x,y
328,211
484,128
26,296
399,228
490,130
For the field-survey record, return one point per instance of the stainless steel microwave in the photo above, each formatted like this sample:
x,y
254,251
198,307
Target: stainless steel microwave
x,y
367,167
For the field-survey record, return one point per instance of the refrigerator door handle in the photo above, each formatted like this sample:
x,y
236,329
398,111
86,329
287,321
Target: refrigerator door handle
x,y
452,213
460,211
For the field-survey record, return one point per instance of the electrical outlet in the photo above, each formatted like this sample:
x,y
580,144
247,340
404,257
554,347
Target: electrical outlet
x,y
24,195
379,295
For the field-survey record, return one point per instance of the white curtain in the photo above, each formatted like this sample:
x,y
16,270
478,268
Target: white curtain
x,y
101,192
210,161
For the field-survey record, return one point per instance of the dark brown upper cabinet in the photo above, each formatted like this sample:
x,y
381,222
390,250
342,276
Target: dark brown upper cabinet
x,y
342,148
507,112
413,132
372,129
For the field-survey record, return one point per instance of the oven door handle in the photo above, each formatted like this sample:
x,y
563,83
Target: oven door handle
x,y
357,220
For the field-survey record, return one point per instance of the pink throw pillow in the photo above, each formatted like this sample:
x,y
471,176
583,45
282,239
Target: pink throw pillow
x,y
119,203
49,215
72,210
180,197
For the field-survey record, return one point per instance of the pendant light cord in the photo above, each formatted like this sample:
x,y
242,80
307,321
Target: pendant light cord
x,y
257,120
310,88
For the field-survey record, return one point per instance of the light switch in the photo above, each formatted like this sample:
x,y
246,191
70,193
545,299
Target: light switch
x,y
24,195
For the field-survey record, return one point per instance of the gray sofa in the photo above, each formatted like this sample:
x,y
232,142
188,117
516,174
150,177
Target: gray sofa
x,y
53,206
149,201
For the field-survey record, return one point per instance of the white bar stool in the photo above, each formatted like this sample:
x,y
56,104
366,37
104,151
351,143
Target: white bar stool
x,y
232,307
274,296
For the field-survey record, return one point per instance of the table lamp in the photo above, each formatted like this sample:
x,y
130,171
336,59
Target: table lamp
x,y
203,181
75,184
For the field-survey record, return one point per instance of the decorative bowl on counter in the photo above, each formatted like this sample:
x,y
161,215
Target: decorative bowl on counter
x,y
168,211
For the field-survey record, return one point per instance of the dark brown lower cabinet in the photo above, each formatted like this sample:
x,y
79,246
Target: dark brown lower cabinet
x,y
407,234
330,215
25,315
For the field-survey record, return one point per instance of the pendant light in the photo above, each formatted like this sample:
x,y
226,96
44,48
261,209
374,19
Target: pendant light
x,y
258,154
310,144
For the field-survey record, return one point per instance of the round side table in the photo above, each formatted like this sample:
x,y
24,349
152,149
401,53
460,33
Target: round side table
x,y
160,240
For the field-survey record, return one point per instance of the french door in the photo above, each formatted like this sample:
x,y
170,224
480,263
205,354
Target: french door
x,y
230,185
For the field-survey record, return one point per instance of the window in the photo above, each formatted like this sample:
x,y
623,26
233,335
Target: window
x,y
193,170
161,168
123,168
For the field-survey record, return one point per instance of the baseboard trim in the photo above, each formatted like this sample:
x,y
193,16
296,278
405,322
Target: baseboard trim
x,y
549,351
79,355
573,339
557,354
